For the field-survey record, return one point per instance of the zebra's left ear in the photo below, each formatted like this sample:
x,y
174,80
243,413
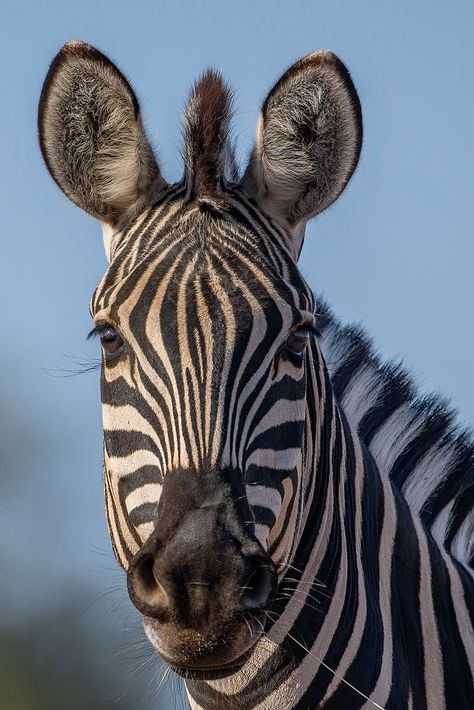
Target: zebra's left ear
x,y
308,141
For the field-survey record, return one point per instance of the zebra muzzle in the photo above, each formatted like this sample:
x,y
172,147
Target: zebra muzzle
x,y
202,583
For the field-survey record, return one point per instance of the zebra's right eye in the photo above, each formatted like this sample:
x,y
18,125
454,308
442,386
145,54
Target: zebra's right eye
x,y
110,340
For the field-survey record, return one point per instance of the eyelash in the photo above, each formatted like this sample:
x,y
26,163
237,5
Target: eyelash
x,y
97,330
311,328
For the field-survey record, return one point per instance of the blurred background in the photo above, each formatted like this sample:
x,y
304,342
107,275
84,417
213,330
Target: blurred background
x,y
394,253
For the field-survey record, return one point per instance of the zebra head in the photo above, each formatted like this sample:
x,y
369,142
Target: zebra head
x,y
206,328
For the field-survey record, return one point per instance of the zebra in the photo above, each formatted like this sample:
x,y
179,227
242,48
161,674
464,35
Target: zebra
x,y
295,520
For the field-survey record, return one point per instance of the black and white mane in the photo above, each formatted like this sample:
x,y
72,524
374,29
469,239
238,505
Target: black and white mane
x,y
413,438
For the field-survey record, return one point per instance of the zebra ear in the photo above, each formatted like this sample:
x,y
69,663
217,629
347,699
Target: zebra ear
x,y
91,135
308,141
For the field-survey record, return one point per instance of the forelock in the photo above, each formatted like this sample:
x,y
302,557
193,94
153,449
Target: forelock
x,y
209,160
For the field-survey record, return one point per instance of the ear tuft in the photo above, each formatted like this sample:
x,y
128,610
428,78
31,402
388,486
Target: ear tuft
x,y
208,157
308,140
91,134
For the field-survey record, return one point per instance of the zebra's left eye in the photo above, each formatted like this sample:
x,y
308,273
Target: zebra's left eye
x,y
297,342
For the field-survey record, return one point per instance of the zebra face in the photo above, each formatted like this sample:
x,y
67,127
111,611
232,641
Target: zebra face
x,y
203,393
207,329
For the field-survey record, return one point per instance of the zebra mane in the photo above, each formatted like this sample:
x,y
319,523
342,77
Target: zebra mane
x,y
413,438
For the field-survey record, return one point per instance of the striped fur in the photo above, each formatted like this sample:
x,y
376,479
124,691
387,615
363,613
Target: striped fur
x,y
361,491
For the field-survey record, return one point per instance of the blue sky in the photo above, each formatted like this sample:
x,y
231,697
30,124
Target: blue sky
x,y
395,252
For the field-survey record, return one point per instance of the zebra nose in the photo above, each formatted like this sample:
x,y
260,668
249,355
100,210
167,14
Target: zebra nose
x,y
166,592
259,583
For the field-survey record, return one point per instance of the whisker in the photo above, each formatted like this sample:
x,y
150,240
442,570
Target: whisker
x,y
331,670
84,363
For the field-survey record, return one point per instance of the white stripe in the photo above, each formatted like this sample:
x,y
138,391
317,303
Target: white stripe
x,y
149,493
381,691
144,530
277,459
125,465
360,620
434,680
265,497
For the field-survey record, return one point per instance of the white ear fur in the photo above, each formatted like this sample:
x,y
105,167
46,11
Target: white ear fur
x,y
108,235
308,142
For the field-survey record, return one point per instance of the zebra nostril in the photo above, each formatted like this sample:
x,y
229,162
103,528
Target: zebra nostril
x,y
259,585
146,585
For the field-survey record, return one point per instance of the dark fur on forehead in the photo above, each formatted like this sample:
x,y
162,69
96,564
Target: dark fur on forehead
x,y
209,159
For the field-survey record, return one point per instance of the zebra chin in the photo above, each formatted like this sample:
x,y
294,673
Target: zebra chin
x,y
193,654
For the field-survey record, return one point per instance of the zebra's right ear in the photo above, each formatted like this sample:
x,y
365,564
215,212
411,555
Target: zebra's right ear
x,y
91,135
308,141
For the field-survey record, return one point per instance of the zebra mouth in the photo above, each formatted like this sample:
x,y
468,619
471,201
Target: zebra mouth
x,y
193,656
210,672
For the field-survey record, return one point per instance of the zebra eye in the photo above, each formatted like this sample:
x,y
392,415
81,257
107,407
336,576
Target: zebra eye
x,y
297,342
110,340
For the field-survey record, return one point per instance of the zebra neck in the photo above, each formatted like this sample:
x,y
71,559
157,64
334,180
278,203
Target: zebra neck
x,y
342,506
